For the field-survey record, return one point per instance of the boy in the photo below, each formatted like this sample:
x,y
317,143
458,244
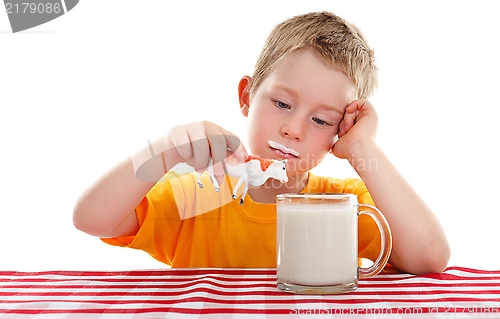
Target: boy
x,y
307,98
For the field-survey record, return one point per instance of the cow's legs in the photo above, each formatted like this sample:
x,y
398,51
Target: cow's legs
x,y
245,190
237,186
212,178
200,185
210,171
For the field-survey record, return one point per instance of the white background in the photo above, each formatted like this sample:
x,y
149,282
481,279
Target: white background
x,y
82,92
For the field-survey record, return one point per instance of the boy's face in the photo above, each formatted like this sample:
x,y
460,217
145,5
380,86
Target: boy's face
x,y
296,111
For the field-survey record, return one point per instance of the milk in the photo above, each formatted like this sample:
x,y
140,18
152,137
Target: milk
x,y
317,243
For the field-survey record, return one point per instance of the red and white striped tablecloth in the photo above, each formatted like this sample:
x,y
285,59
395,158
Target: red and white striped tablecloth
x,y
242,293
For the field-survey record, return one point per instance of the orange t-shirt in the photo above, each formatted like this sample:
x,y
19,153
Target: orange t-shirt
x,y
183,225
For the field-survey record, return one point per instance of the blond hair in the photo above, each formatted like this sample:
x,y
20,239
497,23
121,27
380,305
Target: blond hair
x,y
339,43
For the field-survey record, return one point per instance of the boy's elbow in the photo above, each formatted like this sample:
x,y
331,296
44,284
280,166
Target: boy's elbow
x,y
442,259
82,219
437,264
79,218
434,255
97,222
435,261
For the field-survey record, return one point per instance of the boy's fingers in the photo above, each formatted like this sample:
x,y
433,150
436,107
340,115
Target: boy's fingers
x,y
357,105
351,114
207,140
235,147
200,147
241,153
346,124
197,142
233,144
352,107
219,172
201,157
218,152
182,144
341,128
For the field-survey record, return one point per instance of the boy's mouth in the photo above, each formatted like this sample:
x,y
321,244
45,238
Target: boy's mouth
x,y
282,150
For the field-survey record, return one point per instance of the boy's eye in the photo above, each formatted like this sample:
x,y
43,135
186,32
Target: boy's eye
x,y
320,121
281,105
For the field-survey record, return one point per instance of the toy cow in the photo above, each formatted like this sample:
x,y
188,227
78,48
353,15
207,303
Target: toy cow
x,y
253,172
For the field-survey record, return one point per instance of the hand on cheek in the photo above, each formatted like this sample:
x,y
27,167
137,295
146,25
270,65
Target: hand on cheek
x,y
359,125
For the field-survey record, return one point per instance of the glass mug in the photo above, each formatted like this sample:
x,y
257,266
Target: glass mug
x,y
317,243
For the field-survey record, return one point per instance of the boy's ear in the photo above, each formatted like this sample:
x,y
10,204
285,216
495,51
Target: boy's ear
x,y
244,94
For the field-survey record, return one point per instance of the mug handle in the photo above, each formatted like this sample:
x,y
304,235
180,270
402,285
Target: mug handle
x,y
385,242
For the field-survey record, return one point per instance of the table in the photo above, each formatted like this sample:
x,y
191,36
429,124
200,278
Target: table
x,y
242,293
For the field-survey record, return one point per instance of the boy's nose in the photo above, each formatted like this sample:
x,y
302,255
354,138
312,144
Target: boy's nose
x,y
292,130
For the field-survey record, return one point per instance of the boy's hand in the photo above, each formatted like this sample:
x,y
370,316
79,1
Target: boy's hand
x,y
358,126
196,143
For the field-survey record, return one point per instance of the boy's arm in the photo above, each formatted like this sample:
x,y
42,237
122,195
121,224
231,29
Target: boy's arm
x,y
419,241
107,207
